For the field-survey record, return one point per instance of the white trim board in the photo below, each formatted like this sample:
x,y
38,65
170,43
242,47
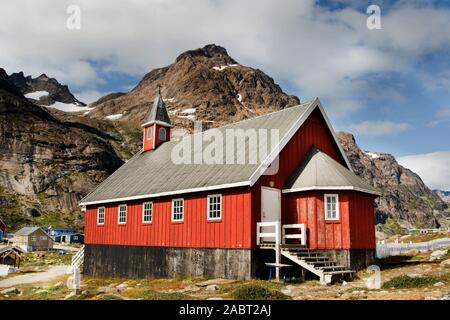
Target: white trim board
x,y
169,193
351,188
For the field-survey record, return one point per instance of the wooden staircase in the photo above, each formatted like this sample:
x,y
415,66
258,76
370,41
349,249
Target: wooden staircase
x,y
315,262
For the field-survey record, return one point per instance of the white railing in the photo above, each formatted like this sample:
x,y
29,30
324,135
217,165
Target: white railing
x,y
301,235
395,249
261,234
78,258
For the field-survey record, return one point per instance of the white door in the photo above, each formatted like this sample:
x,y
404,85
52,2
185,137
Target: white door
x,y
270,204
270,208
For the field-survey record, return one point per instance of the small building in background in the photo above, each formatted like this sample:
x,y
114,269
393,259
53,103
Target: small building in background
x,y
69,238
32,239
60,231
11,256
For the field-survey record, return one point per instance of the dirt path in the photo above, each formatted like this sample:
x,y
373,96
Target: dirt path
x,y
50,274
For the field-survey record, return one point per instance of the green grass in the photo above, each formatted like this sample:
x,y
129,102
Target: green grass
x,y
257,292
407,282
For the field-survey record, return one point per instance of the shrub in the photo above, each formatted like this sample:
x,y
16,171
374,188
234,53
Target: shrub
x,y
405,282
257,292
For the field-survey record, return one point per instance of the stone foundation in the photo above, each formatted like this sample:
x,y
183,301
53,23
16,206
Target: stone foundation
x,y
354,259
142,261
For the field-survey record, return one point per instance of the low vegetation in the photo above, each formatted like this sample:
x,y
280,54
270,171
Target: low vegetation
x,y
408,282
257,292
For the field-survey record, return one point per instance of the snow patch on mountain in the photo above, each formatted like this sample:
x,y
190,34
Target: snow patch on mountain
x,y
221,68
114,117
68,107
36,95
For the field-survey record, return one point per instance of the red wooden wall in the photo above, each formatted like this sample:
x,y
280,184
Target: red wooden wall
x,y
314,131
195,231
355,228
148,143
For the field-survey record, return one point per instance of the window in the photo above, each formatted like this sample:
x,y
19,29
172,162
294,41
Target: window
x,y
75,237
215,207
177,209
101,215
149,133
331,207
33,238
122,214
147,208
43,238
162,134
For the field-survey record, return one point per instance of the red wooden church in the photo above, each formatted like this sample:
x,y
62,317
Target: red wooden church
x,y
302,202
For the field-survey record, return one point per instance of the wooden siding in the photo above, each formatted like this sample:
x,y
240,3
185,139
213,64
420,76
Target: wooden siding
x,y
355,228
195,231
314,131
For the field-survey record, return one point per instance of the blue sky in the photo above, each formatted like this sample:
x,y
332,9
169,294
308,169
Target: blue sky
x,y
390,87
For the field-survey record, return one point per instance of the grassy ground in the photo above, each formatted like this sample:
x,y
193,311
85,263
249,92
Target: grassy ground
x,y
409,277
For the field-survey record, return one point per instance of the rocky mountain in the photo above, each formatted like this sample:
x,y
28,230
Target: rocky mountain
x,y
43,90
203,84
444,195
49,161
406,201
46,165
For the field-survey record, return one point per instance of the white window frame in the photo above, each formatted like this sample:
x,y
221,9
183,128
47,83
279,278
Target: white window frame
x,y
325,206
151,212
98,215
43,238
118,214
162,129
149,132
33,238
208,209
182,210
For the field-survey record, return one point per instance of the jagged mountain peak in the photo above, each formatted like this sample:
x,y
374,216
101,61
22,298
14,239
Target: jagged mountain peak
x,y
405,197
202,84
44,90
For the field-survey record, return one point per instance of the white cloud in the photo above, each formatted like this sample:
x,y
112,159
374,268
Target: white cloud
x,y
89,96
323,53
433,168
380,128
442,116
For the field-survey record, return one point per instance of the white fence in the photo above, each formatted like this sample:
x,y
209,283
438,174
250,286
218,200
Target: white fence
x,y
395,249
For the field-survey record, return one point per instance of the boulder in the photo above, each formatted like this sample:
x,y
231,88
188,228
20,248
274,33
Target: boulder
x,y
58,285
438,254
10,291
42,291
212,287
122,286
445,263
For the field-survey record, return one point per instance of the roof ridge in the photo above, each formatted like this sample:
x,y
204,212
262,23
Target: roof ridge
x,y
249,119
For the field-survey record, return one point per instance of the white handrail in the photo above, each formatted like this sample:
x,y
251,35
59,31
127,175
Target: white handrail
x,y
301,235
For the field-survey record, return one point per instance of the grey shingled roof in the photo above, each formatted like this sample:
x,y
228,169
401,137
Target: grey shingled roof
x,y
158,112
318,171
25,231
153,173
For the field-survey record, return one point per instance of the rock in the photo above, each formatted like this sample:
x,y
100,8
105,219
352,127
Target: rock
x,y
122,286
214,281
344,283
32,212
411,252
70,295
438,254
215,298
89,292
42,291
445,263
212,287
108,289
58,285
439,284
10,291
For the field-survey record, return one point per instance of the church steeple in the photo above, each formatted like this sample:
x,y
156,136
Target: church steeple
x,y
157,124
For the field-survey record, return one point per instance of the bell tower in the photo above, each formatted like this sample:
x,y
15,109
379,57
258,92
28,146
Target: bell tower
x,y
157,125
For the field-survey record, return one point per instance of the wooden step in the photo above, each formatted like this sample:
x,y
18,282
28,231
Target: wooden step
x,y
339,272
331,268
314,258
323,263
